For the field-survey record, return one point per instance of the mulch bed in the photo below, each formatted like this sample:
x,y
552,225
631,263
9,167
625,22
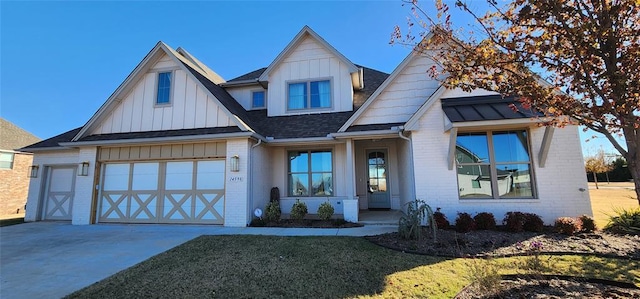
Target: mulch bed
x,y
501,243
306,223
540,286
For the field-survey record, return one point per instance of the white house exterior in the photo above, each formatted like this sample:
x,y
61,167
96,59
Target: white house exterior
x,y
176,143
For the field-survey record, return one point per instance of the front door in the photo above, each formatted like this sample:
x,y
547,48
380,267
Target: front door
x,y
58,199
377,182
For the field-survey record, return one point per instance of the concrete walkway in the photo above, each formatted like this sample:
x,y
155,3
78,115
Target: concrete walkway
x,y
54,259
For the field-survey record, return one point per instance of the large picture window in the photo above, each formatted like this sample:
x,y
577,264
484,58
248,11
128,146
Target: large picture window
x,y
494,164
310,173
309,95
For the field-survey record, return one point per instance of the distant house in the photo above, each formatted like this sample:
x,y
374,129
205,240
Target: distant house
x,y
176,143
14,167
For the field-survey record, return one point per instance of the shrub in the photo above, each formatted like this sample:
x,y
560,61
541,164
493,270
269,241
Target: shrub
x,y
409,225
485,275
532,223
624,222
514,221
272,213
587,223
325,211
299,210
567,226
257,222
485,221
465,223
440,219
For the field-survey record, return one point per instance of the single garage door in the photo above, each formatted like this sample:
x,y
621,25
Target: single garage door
x,y
163,192
59,193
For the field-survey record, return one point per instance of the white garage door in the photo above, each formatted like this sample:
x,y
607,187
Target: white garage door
x,y
163,192
59,193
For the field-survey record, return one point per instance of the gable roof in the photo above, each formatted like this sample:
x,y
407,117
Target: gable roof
x,y
306,31
14,137
250,76
147,62
53,142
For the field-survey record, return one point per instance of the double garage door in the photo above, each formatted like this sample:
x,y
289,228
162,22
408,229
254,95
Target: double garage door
x,y
163,192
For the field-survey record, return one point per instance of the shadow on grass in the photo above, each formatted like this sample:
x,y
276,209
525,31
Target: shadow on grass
x,y
12,221
261,266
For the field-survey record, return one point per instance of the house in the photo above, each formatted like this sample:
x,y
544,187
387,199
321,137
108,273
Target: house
x,y
176,143
14,168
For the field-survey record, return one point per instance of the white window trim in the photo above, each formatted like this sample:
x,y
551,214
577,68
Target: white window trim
x,y
309,150
493,168
265,99
13,160
157,73
308,81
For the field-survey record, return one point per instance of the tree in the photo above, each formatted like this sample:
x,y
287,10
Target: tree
x,y
597,164
587,50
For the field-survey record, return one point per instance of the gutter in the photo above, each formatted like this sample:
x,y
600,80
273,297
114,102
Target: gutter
x,y
240,83
366,134
161,139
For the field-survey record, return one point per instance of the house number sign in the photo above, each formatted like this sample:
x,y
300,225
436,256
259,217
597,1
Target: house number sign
x,y
235,179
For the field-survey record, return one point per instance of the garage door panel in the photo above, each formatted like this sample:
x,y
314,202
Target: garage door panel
x,y
164,192
58,198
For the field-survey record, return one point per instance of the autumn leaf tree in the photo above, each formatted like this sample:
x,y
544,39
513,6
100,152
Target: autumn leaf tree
x,y
597,164
585,54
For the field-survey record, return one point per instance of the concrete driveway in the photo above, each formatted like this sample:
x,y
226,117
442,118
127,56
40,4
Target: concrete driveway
x,y
53,259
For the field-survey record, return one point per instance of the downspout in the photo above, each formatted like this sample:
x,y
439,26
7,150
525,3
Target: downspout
x,y
401,135
250,175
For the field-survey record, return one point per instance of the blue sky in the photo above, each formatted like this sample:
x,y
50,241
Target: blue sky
x,y
59,61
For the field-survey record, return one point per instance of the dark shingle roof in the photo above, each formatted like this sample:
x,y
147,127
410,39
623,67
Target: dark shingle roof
x,y
13,137
54,141
156,134
492,107
249,76
373,127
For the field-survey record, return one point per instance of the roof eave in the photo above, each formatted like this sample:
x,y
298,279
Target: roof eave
x,y
159,140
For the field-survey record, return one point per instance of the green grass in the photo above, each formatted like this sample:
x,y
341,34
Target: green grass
x,y
326,267
11,221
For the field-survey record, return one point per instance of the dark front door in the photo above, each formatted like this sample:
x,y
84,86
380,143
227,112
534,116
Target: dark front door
x,y
377,182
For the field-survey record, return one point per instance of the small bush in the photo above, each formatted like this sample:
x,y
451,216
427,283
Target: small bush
x,y
532,223
272,213
441,219
299,210
587,223
624,222
325,211
485,275
410,225
485,221
567,226
257,222
514,221
465,223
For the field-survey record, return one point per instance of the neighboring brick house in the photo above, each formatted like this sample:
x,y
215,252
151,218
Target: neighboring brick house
x,y
176,143
14,167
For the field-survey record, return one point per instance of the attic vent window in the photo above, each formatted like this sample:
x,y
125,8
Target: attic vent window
x,y
309,95
164,88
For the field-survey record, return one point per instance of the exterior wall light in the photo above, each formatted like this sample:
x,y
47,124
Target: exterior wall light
x,y
33,171
84,168
235,163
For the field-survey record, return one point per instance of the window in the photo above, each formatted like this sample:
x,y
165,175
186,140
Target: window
x,y
309,95
257,99
494,165
164,88
6,160
310,173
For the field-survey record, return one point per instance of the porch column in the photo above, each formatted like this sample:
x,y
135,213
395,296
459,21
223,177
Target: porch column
x,y
351,203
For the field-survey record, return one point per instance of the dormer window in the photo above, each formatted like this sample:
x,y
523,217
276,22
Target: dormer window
x,y
309,95
163,96
257,99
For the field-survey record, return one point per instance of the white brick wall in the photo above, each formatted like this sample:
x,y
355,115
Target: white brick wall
x,y
557,184
236,211
84,188
43,159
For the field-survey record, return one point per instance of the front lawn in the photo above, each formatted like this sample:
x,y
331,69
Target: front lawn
x,y
317,267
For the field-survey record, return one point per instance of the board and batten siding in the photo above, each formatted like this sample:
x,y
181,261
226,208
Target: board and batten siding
x,y
243,94
165,151
403,96
309,61
190,106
